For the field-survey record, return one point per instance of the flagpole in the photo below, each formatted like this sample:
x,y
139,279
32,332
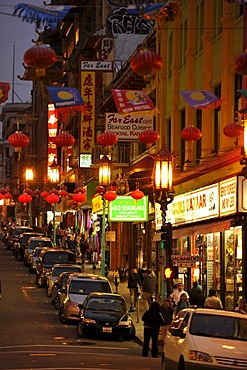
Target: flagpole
x,y
13,73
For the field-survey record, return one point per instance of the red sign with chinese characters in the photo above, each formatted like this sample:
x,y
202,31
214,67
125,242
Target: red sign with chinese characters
x,y
52,132
128,101
87,131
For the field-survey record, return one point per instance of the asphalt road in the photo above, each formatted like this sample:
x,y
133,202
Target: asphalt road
x,y
32,337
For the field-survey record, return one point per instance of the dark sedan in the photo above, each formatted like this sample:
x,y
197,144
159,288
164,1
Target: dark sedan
x,y
104,313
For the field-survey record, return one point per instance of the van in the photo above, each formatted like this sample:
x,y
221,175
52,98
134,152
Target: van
x,y
47,259
76,289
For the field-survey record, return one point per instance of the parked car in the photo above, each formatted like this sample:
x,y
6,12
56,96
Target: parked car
x,y
14,233
32,264
21,243
201,338
77,287
58,287
47,259
55,272
104,313
33,242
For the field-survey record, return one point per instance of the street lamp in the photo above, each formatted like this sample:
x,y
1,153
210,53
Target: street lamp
x,y
164,194
54,172
104,181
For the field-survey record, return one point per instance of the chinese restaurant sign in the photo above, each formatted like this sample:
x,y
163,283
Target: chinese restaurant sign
x,y
105,66
52,132
87,130
126,209
228,198
128,127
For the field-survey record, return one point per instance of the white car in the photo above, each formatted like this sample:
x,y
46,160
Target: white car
x,y
206,339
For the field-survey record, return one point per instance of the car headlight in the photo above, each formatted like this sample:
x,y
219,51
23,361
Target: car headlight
x,y
85,320
199,356
125,321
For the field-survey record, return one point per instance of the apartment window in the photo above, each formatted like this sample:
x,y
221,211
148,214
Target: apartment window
x,y
217,14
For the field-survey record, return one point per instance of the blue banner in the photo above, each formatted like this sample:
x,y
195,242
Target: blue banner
x,y
65,97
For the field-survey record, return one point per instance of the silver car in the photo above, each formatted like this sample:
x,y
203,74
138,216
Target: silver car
x,y
55,272
33,242
33,258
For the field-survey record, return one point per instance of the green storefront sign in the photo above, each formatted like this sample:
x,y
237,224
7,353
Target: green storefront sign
x,y
126,209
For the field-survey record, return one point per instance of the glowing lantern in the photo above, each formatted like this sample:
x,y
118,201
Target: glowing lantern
x,y
233,130
148,136
1,196
19,141
40,57
191,133
107,138
146,63
54,191
28,191
44,194
52,198
63,193
7,195
79,197
137,194
80,190
25,198
110,195
37,192
64,140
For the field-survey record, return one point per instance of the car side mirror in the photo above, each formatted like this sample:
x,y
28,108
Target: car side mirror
x,y
177,332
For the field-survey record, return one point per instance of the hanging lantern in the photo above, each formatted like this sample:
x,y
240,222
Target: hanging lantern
x,y
19,141
25,198
148,136
63,193
40,57
1,196
191,133
105,171
240,63
137,194
54,191
37,192
110,196
64,140
28,191
7,195
146,63
44,194
52,198
80,190
233,130
79,197
3,191
163,170
99,189
107,138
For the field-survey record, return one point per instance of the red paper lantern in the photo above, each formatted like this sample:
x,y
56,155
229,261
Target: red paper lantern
x,y
40,57
28,191
63,193
149,136
3,191
107,138
25,198
146,63
1,196
8,195
79,197
52,198
54,191
64,140
18,139
137,194
233,130
37,192
44,194
99,189
191,133
110,195
80,190
240,63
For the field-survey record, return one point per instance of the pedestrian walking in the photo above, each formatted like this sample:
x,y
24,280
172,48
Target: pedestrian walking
x,y
242,306
182,303
149,288
197,298
193,291
167,313
152,320
212,301
143,271
134,285
176,294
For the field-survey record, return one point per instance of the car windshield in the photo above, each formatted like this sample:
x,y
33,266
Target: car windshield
x,y
42,243
61,257
18,232
86,287
106,304
219,326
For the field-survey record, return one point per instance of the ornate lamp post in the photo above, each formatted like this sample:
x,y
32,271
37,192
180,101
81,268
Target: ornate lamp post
x,y
54,175
104,181
164,194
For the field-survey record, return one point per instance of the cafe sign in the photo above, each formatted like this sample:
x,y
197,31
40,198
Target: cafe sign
x,y
126,209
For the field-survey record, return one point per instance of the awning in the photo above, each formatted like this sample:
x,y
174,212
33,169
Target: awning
x,y
211,227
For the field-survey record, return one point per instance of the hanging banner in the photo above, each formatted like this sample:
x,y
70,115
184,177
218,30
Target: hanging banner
x,y
52,132
87,129
129,101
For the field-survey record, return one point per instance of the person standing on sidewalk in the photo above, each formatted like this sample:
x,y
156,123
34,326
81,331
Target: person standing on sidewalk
x,y
167,312
149,288
134,284
152,320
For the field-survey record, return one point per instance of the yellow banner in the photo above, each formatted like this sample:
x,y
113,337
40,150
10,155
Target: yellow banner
x,y
87,130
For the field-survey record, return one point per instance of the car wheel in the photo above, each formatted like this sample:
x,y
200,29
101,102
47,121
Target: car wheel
x,y
80,330
181,364
48,291
62,316
56,302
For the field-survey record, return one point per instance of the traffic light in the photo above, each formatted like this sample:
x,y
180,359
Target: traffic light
x,y
171,272
166,235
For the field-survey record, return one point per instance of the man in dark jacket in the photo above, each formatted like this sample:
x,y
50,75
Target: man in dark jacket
x,y
134,284
198,298
152,320
149,288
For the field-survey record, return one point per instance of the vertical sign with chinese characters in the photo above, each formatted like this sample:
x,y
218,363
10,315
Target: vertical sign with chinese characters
x,y
88,118
52,132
